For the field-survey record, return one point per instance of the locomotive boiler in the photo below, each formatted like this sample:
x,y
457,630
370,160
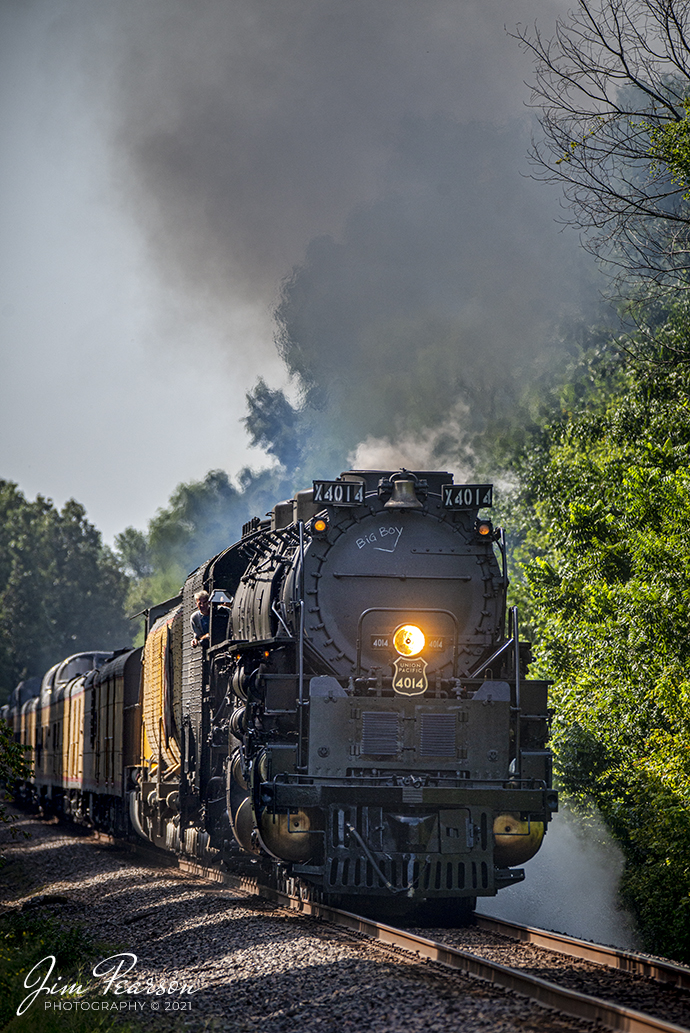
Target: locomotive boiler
x,y
360,716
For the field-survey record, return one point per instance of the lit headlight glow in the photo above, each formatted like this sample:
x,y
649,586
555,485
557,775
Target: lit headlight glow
x,y
409,640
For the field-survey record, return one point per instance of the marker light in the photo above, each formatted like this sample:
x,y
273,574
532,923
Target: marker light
x,y
319,527
484,528
409,640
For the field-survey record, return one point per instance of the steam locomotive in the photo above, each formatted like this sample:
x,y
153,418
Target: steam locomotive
x,y
358,719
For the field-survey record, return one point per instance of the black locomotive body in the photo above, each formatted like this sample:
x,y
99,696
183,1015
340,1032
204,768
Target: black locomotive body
x,y
360,717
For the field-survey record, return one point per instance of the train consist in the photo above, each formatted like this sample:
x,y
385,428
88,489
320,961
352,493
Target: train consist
x,y
359,717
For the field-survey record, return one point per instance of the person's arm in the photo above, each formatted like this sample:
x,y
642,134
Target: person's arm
x,y
196,628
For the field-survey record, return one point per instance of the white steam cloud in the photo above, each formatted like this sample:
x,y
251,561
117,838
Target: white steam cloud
x,y
571,886
433,448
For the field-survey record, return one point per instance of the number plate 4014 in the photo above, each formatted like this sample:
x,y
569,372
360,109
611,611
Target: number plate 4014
x,y
339,493
410,676
467,496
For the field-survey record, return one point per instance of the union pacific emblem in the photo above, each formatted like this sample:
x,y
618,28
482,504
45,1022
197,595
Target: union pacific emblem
x,y
410,677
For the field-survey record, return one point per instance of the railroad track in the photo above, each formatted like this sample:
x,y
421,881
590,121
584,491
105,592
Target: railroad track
x,y
619,974
623,961
575,978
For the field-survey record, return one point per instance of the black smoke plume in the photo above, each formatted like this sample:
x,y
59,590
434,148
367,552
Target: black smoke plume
x,y
355,171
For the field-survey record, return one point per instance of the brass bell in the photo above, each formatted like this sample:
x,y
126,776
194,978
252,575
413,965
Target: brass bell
x,y
403,496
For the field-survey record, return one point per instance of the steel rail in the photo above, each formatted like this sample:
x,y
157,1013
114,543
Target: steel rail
x,y
567,1002
623,961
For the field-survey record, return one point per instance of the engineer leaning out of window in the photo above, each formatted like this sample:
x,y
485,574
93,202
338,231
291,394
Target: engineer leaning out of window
x,y
201,618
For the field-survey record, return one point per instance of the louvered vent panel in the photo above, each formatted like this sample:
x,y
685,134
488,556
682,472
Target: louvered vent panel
x,y
379,732
437,737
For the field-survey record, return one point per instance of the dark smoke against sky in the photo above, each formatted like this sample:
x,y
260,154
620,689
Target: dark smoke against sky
x,y
355,163
254,126
361,132
436,299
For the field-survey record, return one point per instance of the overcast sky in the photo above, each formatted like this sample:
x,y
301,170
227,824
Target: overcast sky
x,y
165,165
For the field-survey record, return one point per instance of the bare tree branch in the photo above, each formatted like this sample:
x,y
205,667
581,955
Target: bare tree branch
x,y
606,84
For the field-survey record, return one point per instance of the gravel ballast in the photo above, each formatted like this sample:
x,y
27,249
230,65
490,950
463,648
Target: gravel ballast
x,y
253,966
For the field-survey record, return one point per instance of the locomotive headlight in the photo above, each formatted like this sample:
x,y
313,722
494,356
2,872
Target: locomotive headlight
x,y
409,640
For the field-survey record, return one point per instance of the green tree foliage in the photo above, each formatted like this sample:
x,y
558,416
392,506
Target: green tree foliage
x,y
13,765
61,589
608,488
274,424
670,147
